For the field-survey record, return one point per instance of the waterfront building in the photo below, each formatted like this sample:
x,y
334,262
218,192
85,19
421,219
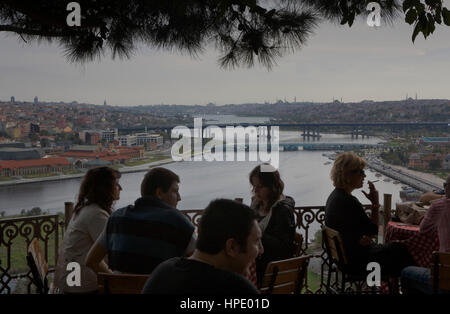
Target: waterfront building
x,y
14,153
11,168
118,155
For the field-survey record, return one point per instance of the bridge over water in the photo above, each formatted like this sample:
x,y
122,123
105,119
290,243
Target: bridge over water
x,y
324,146
312,130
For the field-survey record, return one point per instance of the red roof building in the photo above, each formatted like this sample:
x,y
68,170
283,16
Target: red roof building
x,y
33,167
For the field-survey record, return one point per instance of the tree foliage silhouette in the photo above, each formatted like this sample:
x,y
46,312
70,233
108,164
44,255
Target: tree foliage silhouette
x,y
244,31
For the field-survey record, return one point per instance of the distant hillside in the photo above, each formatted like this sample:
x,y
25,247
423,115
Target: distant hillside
x,y
387,111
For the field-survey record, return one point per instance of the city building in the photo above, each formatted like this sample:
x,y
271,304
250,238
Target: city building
x,y
34,128
110,134
425,161
92,138
11,168
14,153
154,140
116,155
13,100
435,141
447,162
127,140
36,100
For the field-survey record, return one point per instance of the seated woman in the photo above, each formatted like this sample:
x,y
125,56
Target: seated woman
x,y
98,191
345,214
275,216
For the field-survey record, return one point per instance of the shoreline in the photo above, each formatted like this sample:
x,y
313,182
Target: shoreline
x,y
424,182
126,169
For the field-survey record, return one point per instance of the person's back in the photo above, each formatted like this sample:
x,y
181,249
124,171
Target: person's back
x,y
82,231
437,219
140,237
188,276
99,189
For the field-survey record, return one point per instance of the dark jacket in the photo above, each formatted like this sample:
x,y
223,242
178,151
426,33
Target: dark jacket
x,y
278,238
345,214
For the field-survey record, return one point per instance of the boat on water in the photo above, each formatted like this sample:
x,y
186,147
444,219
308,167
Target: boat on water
x,y
377,175
387,180
410,195
396,182
404,187
327,163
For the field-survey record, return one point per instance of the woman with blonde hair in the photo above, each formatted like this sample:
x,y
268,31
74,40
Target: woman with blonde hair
x,y
99,189
344,213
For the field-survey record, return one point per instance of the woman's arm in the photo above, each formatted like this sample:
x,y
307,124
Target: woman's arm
x,y
280,232
94,259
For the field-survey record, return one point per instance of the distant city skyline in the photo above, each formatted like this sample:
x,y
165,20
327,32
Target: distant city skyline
x,y
355,64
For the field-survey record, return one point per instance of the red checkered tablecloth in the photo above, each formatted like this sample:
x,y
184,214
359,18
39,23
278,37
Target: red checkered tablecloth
x,y
251,273
421,246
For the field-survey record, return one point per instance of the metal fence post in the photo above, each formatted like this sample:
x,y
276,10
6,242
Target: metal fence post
x,y
68,211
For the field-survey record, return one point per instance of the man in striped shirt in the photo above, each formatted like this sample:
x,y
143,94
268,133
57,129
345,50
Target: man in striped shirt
x,y
137,238
418,279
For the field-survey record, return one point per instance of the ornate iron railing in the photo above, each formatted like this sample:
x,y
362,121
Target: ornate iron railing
x,y
15,237
309,220
17,233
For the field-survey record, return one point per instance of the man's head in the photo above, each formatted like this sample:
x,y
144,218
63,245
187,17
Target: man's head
x,y
447,187
230,228
163,184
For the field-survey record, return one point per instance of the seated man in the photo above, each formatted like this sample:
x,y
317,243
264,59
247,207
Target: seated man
x,y
418,279
137,238
229,240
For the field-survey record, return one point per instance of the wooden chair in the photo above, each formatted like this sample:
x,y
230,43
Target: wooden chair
x,y
298,241
334,247
440,272
38,266
121,283
285,276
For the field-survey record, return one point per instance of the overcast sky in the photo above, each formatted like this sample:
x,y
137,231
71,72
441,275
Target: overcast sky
x,y
354,63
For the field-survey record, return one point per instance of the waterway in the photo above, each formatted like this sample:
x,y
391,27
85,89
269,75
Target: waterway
x,y
306,177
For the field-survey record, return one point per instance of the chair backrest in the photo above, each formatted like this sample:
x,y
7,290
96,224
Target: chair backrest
x,y
440,271
38,266
285,276
334,245
121,283
298,241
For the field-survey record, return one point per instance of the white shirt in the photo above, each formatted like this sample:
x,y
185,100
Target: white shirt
x,y
83,230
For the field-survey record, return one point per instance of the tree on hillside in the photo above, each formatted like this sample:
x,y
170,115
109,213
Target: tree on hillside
x,y
242,30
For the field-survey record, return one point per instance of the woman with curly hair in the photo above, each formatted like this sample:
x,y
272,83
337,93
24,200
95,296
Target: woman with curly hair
x,y
275,216
99,189
345,214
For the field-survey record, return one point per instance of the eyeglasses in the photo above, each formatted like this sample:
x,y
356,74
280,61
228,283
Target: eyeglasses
x,y
360,171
